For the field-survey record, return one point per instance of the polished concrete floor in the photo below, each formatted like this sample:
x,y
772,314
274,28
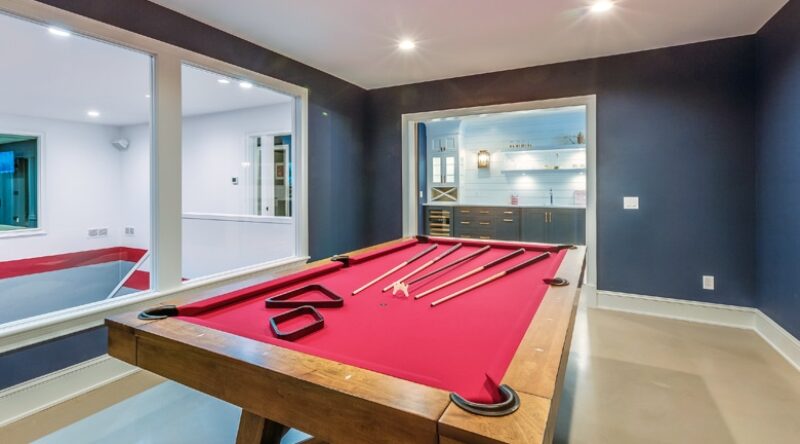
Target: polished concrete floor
x,y
641,379
630,379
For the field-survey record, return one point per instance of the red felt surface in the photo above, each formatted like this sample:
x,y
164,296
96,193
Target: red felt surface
x,y
464,345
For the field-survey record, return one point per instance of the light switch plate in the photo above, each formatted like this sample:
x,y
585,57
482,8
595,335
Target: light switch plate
x,y
630,202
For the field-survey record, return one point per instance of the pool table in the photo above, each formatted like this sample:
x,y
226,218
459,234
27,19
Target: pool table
x,y
303,351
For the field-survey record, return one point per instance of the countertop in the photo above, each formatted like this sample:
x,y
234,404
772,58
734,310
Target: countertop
x,y
456,204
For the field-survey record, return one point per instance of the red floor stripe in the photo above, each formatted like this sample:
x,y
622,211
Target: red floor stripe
x,y
139,280
23,267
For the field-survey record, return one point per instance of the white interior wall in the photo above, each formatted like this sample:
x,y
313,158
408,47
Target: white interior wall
x,y
495,185
135,178
90,184
214,147
82,187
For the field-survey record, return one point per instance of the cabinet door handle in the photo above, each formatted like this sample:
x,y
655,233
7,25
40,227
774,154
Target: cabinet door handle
x,y
485,223
484,212
465,223
464,211
508,212
508,220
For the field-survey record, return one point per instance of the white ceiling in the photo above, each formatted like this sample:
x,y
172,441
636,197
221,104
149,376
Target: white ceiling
x,y
45,75
356,39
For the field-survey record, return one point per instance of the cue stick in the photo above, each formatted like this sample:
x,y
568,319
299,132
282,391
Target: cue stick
x,y
424,266
472,255
491,264
399,266
495,277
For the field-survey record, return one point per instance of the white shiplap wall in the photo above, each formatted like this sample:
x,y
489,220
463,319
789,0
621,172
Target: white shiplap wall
x,y
543,129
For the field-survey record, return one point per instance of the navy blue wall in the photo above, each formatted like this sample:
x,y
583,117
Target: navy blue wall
x,y
46,357
336,112
675,127
778,168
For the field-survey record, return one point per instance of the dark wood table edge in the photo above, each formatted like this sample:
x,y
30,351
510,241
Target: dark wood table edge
x,y
544,397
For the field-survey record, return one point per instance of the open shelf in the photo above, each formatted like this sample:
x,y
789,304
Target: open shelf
x,y
548,148
536,170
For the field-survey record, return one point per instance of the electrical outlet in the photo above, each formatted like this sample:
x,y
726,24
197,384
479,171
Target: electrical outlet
x,y
708,282
129,231
93,232
102,232
630,202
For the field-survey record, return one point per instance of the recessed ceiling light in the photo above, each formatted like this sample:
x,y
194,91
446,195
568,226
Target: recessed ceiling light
x,y
223,81
93,113
59,32
245,85
601,6
147,96
406,45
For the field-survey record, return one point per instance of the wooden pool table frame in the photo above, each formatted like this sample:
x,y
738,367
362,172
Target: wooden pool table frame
x,y
336,402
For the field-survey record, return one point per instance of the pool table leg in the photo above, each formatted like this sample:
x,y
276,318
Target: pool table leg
x,y
254,429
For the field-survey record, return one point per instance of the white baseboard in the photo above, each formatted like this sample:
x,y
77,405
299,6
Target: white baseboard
x,y
707,313
588,295
38,394
780,339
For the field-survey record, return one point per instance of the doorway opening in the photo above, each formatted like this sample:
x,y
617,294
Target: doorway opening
x,y
270,180
511,172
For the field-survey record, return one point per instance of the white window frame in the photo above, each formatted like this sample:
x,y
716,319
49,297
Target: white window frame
x,y
41,216
410,178
165,179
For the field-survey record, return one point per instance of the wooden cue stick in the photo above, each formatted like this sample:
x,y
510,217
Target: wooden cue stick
x,y
424,266
472,272
472,255
399,266
494,277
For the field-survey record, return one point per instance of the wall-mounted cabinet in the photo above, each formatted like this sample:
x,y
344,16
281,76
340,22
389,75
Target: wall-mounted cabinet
x,y
444,161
